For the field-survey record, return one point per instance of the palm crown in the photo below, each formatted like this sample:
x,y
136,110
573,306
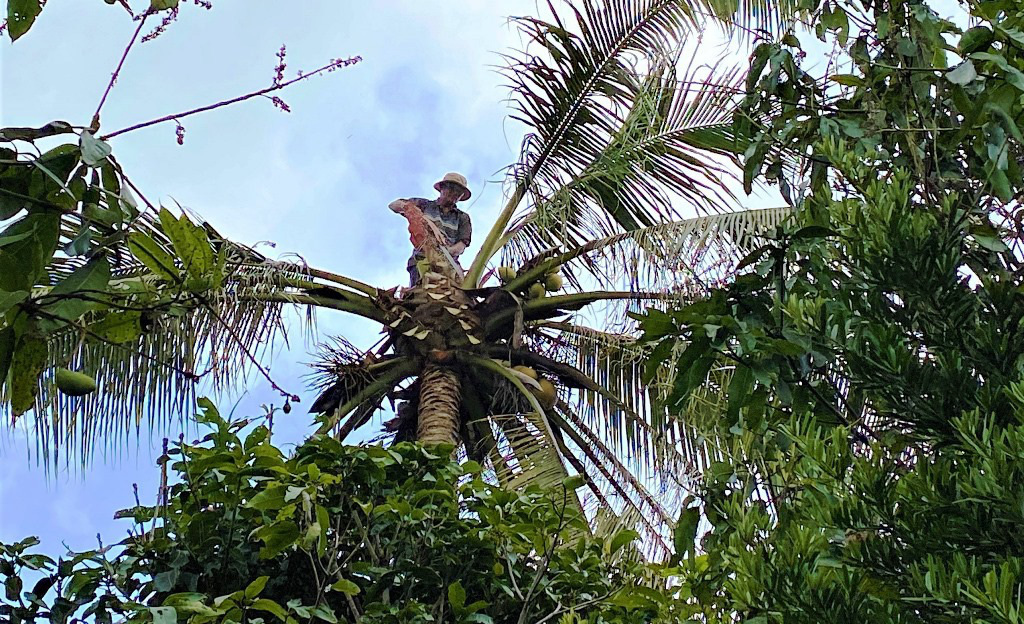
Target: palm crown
x,y
624,137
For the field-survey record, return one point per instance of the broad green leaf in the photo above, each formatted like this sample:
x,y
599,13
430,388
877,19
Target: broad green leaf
x,y
457,595
346,586
293,492
621,539
277,537
1005,119
324,613
963,73
739,390
118,327
848,80
573,482
265,604
7,239
758,61
94,151
7,340
21,14
70,298
27,363
479,618
10,299
102,215
165,581
150,253
1013,75
191,244
1001,184
191,603
164,615
633,597
79,246
22,262
162,5
256,587
323,521
907,46
685,535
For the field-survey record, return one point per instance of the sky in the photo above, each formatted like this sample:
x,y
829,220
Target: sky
x,y
425,100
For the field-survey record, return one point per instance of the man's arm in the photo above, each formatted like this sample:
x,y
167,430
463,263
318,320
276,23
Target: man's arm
x,y
464,237
399,204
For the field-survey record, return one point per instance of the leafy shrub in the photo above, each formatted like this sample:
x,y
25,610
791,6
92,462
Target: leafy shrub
x,y
339,533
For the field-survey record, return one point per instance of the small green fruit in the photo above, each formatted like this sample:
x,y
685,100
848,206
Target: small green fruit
x,y
536,291
74,383
506,274
553,282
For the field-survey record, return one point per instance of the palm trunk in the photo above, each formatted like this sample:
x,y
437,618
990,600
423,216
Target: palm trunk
x,y
440,396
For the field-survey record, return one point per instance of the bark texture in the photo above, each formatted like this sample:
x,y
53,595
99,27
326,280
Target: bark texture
x,y
440,396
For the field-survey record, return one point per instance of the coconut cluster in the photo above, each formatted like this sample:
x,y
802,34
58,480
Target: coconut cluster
x,y
552,282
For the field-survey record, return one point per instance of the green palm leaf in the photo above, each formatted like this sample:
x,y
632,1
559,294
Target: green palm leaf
x,y
613,129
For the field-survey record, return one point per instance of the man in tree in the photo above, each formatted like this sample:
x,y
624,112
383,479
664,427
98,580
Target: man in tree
x,y
451,226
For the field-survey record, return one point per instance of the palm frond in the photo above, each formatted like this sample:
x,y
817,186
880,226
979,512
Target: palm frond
x,y
624,490
152,378
625,407
688,256
668,150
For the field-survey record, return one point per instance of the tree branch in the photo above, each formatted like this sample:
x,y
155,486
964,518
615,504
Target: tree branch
x,y
333,65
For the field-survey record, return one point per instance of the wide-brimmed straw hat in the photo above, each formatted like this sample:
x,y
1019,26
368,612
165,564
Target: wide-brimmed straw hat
x,y
455,178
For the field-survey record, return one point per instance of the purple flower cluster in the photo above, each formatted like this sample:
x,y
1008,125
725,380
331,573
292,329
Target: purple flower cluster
x,y
279,103
164,23
281,65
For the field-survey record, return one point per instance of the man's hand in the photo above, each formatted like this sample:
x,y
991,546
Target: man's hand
x,y
457,249
399,205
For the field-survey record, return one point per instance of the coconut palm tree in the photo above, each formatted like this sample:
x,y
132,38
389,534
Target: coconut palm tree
x,y
626,138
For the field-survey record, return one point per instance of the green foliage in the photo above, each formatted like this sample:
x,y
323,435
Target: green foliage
x,y
871,466
22,14
336,533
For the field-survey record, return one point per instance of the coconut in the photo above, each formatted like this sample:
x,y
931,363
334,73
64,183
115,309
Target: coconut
x,y
536,291
547,395
553,282
74,383
506,274
526,370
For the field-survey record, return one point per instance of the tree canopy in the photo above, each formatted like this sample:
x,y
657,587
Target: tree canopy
x,y
874,351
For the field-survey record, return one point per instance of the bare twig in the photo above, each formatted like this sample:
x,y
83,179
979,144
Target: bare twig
x,y
117,71
333,65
